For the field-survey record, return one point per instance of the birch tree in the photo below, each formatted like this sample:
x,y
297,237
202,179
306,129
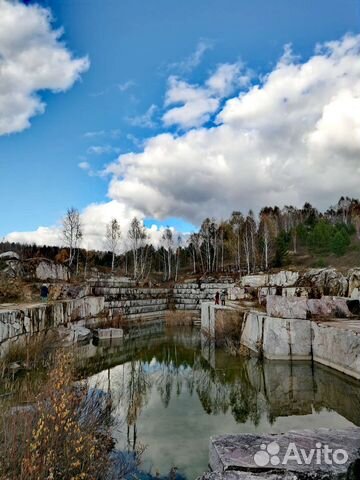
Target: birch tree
x,y
267,229
137,236
168,242
113,235
72,232
237,222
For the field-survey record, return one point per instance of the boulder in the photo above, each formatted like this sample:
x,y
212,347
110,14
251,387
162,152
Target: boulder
x,y
48,270
321,454
324,281
287,307
74,334
9,256
303,308
10,264
354,282
285,278
236,475
329,307
236,293
255,281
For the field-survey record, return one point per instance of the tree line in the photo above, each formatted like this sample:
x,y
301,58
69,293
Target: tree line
x,y
242,243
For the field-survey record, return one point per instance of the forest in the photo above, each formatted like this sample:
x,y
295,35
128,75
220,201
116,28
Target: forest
x,y
240,244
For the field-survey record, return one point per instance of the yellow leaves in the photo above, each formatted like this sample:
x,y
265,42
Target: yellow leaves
x,y
62,447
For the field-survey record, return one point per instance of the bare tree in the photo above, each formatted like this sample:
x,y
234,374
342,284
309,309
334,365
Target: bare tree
x,y
178,251
137,236
113,234
267,233
247,244
168,242
72,232
237,222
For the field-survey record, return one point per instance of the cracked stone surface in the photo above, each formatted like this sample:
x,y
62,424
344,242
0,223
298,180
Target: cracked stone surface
x,y
240,453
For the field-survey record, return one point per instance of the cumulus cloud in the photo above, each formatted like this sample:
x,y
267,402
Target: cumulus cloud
x,y
199,103
293,136
94,220
32,58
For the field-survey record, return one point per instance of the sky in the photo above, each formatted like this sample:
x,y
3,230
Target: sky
x,y
173,111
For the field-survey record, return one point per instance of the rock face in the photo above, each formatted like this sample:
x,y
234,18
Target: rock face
x,y
277,338
354,283
322,454
19,322
285,278
236,293
334,344
286,307
325,281
47,270
303,308
337,347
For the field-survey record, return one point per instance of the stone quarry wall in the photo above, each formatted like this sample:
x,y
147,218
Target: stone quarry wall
x,y
103,297
334,344
133,302
19,322
189,296
312,283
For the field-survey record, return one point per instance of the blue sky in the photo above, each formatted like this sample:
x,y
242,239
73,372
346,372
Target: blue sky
x,y
133,47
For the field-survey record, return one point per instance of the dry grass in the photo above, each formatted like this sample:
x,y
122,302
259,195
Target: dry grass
x,y
179,317
30,352
228,330
63,435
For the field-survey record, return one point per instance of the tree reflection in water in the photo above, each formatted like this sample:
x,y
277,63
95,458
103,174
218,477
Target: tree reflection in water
x,y
169,372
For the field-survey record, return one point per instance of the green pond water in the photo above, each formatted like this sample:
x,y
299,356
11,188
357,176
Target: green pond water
x,y
171,393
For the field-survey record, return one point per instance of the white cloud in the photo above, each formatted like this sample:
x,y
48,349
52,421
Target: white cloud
x,y
146,120
123,87
193,60
40,236
95,133
227,78
290,138
199,103
94,219
84,165
102,149
114,133
32,58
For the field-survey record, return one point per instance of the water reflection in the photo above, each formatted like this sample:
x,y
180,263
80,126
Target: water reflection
x,y
172,395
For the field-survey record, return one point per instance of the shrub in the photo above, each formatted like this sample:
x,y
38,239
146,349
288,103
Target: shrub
x,y
63,436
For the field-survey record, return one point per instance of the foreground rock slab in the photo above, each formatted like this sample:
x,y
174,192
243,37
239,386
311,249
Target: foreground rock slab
x,y
237,475
322,454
